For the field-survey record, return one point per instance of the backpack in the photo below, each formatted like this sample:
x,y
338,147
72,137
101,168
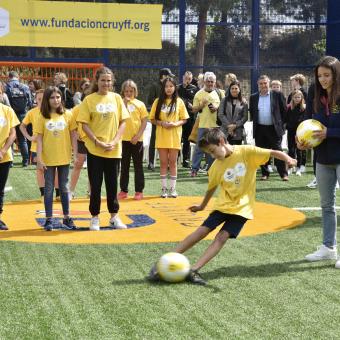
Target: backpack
x,y
219,93
17,97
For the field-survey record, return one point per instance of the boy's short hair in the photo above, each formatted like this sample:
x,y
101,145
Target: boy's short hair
x,y
276,82
211,137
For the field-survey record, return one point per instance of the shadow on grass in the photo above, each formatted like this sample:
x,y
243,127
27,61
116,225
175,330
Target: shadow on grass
x,y
145,280
265,270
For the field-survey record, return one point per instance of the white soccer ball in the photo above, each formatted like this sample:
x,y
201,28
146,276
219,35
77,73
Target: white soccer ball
x,y
173,267
304,132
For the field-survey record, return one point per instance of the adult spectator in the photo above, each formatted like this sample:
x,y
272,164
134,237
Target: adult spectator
x,y
233,113
80,95
228,78
297,81
206,103
154,92
34,85
187,91
267,111
60,81
3,96
19,96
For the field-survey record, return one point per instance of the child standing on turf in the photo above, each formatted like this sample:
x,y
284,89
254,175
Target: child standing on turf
x,y
132,141
234,170
8,122
103,115
168,113
55,130
31,118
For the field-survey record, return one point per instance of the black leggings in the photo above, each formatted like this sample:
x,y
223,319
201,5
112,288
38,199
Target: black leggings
x,y
4,171
97,169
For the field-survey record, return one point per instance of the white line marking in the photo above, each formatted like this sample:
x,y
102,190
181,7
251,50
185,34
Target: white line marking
x,y
312,208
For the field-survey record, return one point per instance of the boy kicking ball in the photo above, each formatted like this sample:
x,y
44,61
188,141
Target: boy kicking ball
x,y
234,170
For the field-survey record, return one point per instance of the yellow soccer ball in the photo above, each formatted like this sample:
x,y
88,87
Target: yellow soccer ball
x,y
173,267
304,132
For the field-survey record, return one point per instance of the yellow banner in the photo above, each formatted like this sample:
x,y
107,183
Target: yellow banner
x,y
78,24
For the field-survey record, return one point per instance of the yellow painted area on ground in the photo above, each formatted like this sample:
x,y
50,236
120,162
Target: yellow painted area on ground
x,y
151,220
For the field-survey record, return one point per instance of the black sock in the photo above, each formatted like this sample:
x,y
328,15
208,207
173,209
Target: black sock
x,y
57,192
42,191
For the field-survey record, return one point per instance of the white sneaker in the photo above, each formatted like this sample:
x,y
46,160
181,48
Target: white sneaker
x,y
95,226
173,193
85,165
298,172
164,193
337,264
313,184
270,168
290,171
302,169
117,223
322,253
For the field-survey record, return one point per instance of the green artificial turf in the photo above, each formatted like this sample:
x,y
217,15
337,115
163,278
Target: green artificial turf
x,y
258,287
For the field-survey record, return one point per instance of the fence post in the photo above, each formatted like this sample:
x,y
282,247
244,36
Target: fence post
x,y
182,62
255,44
332,29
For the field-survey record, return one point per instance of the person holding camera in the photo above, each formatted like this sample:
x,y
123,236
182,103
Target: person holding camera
x,y
206,103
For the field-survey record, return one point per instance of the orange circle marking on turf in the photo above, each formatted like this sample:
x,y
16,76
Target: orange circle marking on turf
x,y
162,220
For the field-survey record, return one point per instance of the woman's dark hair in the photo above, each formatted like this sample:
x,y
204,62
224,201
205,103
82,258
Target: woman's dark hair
x,y
100,71
162,98
37,83
333,64
239,97
45,104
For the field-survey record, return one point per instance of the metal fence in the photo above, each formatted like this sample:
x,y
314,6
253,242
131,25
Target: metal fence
x,y
246,37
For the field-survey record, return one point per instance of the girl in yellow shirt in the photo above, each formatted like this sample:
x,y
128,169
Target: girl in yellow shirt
x,y
168,113
103,115
31,118
132,143
8,122
56,130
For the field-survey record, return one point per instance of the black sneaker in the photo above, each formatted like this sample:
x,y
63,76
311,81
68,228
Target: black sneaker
x,y
151,167
48,225
195,277
153,275
69,224
3,225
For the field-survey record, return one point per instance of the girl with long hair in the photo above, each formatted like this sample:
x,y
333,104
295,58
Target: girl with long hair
x,y
168,113
56,133
103,114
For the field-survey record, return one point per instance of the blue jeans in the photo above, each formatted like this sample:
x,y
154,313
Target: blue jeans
x,y
63,171
327,176
198,153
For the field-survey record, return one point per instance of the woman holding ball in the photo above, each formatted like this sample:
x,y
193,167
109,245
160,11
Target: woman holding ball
x,y
327,111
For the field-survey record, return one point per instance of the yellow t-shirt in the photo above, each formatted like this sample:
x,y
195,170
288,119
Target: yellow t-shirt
x,y
56,139
169,138
137,112
8,120
103,114
236,176
75,113
207,118
31,118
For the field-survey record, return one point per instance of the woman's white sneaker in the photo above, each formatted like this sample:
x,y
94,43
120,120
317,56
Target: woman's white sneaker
x,y
117,223
337,264
322,253
94,225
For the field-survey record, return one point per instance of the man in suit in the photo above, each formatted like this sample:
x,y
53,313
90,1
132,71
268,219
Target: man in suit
x,y
267,111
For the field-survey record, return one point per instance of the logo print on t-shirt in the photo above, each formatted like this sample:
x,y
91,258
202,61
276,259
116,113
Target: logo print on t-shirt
x,y
55,127
3,121
233,174
166,108
105,109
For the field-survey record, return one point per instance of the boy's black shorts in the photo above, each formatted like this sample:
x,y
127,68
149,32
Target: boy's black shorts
x,y
232,223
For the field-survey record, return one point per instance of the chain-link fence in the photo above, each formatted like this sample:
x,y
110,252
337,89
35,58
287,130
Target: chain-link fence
x,y
246,37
